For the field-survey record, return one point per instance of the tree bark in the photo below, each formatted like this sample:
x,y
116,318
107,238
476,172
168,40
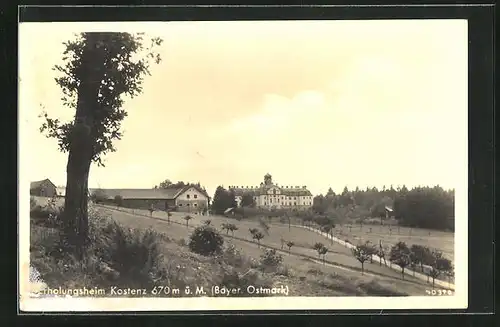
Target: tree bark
x,y
76,199
82,140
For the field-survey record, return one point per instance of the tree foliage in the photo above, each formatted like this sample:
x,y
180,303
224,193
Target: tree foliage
x,y
99,196
168,184
424,207
401,255
223,199
98,70
258,236
187,219
362,253
439,265
119,61
229,228
205,240
247,200
118,200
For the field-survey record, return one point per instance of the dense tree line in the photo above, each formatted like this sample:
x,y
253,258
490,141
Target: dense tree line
x,y
168,184
424,207
223,199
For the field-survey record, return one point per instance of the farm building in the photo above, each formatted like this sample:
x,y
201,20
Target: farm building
x,y
43,188
389,212
190,198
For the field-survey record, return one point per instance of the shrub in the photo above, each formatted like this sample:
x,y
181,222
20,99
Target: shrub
x,y
116,256
48,216
99,196
284,271
233,257
205,240
270,260
118,200
136,255
374,288
182,242
232,279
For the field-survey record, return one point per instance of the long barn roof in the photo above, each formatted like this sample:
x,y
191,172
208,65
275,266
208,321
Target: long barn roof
x,y
148,194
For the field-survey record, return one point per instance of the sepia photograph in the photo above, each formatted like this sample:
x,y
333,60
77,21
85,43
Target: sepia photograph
x,y
243,165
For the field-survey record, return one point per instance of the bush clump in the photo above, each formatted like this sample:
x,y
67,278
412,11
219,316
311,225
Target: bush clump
x,y
48,215
205,240
233,257
116,255
136,255
252,277
270,260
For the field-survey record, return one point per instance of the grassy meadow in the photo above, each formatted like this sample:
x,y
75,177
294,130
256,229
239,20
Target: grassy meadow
x,y
339,274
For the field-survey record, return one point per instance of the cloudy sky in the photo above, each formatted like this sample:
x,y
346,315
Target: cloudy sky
x,y
325,103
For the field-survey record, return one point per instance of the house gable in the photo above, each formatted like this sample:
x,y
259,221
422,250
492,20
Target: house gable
x,y
274,190
43,183
191,193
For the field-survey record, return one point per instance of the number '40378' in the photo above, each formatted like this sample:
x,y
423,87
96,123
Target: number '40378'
x,y
439,292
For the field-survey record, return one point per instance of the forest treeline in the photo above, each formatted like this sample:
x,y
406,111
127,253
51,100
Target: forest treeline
x,y
423,207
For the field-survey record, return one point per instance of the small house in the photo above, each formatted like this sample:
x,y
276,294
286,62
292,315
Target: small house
x,y
43,188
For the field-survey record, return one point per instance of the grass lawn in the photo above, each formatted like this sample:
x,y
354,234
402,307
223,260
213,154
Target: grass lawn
x,y
303,277
442,241
340,258
338,255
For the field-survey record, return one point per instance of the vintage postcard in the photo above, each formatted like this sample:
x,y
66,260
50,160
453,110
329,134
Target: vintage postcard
x,y
243,165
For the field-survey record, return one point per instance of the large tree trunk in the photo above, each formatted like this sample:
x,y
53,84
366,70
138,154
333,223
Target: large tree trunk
x,y
82,142
76,207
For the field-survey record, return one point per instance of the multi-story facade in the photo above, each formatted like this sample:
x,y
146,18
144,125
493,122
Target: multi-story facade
x,y
271,196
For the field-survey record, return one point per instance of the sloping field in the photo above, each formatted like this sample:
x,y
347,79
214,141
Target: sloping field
x,y
302,238
339,259
391,234
442,241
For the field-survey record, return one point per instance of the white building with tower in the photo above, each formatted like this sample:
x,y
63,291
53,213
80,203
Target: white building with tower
x,y
271,196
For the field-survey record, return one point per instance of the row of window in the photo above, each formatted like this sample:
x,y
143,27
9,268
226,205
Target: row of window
x,y
288,203
284,198
187,204
194,196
